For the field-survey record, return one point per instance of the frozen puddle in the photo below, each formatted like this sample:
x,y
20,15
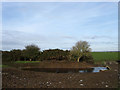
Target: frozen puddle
x,y
94,69
98,69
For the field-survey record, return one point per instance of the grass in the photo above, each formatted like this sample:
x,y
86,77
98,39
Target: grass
x,y
27,61
3,66
105,56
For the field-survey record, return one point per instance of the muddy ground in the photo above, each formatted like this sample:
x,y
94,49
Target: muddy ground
x,y
14,77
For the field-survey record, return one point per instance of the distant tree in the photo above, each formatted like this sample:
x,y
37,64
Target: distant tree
x,y
31,52
6,56
81,51
54,54
12,55
15,54
24,55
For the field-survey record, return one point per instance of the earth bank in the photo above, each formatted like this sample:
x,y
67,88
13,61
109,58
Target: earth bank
x,y
14,77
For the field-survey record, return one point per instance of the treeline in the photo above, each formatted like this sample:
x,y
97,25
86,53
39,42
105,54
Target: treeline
x,y
80,52
33,53
54,54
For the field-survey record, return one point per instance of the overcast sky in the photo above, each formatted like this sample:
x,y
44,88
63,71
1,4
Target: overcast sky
x,y
60,25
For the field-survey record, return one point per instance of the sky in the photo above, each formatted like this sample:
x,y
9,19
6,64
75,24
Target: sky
x,y
60,25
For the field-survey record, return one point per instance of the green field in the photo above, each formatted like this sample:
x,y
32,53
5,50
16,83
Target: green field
x,y
105,56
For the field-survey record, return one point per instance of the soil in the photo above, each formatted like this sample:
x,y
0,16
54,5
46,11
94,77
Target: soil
x,y
13,77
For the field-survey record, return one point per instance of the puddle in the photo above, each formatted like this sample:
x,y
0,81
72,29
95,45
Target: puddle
x,y
98,69
94,69
67,70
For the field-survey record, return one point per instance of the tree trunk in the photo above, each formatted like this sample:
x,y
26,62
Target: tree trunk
x,y
30,59
78,59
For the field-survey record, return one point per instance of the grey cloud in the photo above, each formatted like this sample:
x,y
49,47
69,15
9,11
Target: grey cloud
x,y
69,37
11,43
97,37
16,39
107,42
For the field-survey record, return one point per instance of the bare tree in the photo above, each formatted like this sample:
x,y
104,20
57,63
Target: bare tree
x,y
80,50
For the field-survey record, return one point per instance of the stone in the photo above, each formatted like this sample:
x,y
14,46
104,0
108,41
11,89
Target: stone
x,y
106,85
81,84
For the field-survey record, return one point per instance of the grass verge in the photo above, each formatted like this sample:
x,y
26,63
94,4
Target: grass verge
x,y
4,66
27,61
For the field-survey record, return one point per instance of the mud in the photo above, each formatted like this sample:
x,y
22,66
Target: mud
x,y
17,78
